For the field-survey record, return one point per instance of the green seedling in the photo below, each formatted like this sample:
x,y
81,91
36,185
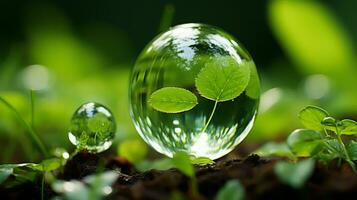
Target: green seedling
x,y
294,174
232,190
220,80
182,162
101,122
15,174
321,139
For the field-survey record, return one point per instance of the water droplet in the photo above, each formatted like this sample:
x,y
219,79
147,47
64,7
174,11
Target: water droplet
x,y
175,59
61,153
92,128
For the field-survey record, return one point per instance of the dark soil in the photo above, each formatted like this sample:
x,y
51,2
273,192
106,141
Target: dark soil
x,y
255,173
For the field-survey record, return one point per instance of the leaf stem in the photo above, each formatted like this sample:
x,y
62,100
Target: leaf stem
x,y
43,186
210,117
32,102
195,194
34,137
348,159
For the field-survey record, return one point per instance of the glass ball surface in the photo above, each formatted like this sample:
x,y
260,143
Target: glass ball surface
x,y
194,88
92,128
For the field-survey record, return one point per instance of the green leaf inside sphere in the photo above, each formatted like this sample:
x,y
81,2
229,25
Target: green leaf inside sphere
x,y
223,79
253,87
172,100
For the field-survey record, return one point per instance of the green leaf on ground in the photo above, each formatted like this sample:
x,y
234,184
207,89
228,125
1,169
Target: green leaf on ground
x,y
17,174
47,165
71,190
329,122
172,100
275,149
352,149
348,127
223,79
232,190
161,164
101,180
177,195
5,172
25,172
326,157
133,150
305,142
345,127
334,148
201,161
294,174
90,187
312,116
182,162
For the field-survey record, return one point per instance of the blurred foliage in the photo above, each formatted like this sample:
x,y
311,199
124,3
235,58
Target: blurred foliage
x,y
304,50
134,150
95,186
311,36
292,174
232,190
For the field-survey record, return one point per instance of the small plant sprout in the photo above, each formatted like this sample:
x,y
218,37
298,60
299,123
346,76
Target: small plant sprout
x,y
182,162
322,139
294,174
92,128
232,190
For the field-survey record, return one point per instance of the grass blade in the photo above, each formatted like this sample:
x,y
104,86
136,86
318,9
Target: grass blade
x,y
32,134
167,17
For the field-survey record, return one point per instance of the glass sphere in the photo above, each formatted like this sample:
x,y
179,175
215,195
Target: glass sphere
x,y
92,128
194,88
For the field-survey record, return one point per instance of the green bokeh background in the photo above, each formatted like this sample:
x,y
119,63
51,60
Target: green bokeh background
x,y
305,52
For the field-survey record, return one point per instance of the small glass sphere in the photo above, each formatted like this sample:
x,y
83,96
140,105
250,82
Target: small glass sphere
x,y
92,128
194,88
